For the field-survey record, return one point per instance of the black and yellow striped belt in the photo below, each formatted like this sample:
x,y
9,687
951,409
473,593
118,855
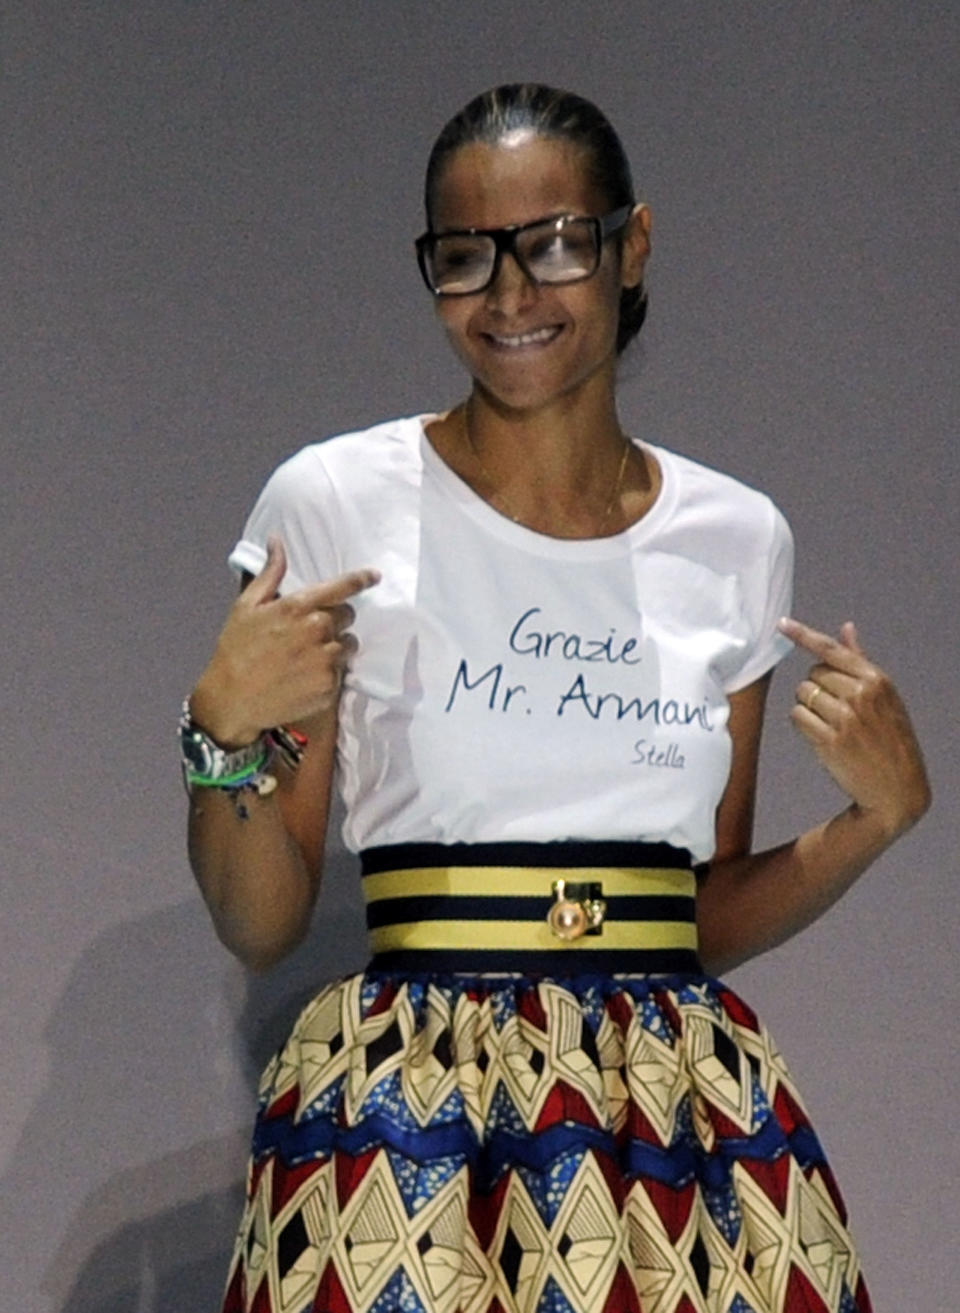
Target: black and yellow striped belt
x,y
563,907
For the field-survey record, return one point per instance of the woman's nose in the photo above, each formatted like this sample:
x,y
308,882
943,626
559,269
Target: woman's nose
x,y
511,288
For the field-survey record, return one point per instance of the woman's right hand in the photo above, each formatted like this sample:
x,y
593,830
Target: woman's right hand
x,y
278,659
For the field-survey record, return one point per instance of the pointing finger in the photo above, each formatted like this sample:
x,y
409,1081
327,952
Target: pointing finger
x,y
332,592
833,652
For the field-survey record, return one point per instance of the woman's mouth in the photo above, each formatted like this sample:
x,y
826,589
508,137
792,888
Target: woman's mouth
x,y
533,338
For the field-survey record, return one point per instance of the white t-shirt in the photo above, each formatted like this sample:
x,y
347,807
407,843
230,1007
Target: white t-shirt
x,y
513,686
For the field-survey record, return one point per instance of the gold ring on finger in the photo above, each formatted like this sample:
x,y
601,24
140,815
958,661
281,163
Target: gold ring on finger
x,y
813,696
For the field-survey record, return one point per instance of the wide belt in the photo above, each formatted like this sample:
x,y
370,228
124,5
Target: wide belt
x,y
564,908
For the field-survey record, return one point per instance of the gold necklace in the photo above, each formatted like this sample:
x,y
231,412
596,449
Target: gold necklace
x,y
517,519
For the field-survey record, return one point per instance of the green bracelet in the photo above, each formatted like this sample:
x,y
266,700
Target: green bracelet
x,y
240,779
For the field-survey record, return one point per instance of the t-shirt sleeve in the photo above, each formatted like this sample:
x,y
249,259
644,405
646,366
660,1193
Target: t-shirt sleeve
x,y
298,505
770,596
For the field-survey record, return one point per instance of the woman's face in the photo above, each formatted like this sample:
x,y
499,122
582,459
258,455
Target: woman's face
x,y
526,344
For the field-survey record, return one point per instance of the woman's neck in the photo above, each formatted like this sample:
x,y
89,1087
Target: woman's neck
x,y
567,470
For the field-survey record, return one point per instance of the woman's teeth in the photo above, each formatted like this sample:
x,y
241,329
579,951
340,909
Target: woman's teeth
x,y
525,339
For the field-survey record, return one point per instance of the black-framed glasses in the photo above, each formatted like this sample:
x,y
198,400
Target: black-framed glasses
x,y
565,249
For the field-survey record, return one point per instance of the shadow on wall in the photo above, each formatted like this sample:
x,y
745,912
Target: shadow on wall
x,y
135,1150
172,1258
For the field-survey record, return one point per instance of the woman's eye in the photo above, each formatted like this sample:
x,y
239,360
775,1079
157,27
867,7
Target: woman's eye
x,y
457,257
548,250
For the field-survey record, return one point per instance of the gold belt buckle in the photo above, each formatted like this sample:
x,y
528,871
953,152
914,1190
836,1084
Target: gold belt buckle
x,y
578,909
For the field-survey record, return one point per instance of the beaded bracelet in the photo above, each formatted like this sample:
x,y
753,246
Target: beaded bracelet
x,y
255,780
207,765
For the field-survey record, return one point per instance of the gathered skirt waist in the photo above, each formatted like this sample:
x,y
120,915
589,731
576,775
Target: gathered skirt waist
x,y
552,908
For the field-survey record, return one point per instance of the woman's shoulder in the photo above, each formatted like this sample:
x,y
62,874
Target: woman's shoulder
x,y
323,499
358,454
697,480
707,500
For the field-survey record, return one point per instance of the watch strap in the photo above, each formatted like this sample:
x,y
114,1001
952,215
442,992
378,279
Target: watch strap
x,y
206,763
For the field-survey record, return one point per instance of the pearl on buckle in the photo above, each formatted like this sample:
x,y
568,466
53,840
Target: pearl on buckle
x,y
569,918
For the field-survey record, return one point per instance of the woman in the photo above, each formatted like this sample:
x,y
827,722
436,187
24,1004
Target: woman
x,y
555,644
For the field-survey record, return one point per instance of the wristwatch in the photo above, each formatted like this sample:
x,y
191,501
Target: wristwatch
x,y
204,761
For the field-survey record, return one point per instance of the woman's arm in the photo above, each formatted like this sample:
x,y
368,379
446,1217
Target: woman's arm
x,y
260,876
860,730
278,661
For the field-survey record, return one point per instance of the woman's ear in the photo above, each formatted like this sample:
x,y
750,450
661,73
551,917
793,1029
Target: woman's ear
x,y
635,250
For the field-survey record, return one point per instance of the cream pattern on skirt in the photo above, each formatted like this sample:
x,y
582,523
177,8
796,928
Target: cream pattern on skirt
x,y
436,1144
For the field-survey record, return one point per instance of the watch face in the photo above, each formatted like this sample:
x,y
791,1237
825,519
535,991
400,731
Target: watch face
x,y
196,751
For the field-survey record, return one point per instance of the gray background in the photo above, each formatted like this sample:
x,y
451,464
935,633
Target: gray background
x,y
206,221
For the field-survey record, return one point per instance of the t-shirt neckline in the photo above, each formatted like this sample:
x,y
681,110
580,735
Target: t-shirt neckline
x,y
530,540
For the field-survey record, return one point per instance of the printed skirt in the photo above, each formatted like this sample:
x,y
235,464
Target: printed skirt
x,y
530,1104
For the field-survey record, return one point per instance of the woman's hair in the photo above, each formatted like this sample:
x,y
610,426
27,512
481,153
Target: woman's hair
x,y
549,113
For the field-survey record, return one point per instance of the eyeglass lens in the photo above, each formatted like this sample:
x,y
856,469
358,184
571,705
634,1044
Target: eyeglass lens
x,y
555,251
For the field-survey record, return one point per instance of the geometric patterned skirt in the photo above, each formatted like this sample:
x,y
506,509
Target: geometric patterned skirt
x,y
436,1142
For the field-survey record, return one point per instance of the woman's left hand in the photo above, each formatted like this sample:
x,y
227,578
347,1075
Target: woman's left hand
x,y
849,710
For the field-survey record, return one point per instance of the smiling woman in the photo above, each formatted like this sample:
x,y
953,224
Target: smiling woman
x,y
543,322
536,1097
